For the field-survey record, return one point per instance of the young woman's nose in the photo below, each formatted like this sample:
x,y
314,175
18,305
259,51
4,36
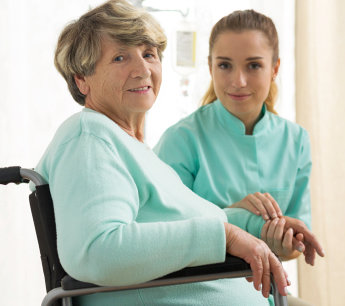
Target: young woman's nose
x,y
140,68
239,79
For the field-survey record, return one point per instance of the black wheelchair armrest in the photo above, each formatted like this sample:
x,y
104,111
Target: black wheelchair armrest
x,y
233,265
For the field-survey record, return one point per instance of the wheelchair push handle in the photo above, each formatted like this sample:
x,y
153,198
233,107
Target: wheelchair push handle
x,y
11,175
20,175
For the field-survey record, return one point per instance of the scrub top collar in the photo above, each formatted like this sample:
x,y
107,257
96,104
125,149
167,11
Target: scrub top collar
x,y
235,125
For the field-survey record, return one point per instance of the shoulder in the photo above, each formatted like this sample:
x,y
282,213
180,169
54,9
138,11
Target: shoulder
x,y
194,123
86,128
287,127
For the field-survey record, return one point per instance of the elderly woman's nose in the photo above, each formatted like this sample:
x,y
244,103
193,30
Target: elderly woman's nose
x,y
239,79
140,69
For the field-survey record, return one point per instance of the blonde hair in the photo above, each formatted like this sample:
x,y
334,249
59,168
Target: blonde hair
x,y
241,21
79,45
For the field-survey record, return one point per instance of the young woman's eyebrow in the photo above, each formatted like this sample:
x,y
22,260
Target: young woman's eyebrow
x,y
254,58
247,59
224,58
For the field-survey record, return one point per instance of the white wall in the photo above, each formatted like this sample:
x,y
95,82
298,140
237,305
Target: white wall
x,y
35,100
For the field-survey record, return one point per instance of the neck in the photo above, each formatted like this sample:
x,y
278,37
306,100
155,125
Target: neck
x,y
250,124
249,121
132,124
134,129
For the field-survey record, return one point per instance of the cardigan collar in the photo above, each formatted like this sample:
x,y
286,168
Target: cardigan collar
x,y
235,125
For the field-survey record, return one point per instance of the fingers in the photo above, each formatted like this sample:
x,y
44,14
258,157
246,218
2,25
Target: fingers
x,y
287,240
246,204
309,255
260,204
266,278
298,245
279,275
275,204
309,238
249,279
257,268
271,233
299,237
265,205
265,230
278,239
255,252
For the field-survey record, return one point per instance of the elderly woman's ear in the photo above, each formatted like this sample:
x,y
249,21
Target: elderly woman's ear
x,y
84,88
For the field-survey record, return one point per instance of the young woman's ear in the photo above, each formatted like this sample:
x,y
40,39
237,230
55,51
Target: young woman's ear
x,y
210,65
275,69
82,84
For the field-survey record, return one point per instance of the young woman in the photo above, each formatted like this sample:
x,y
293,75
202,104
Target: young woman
x,y
235,151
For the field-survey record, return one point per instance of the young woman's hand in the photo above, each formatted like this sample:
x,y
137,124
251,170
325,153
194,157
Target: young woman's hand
x,y
311,246
262,261
260,204
281,241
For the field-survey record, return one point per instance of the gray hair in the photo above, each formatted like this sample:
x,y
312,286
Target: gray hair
x,y
79,45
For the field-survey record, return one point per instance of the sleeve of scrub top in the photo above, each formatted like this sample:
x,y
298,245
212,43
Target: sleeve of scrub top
x,y
96,203
179,154
299,206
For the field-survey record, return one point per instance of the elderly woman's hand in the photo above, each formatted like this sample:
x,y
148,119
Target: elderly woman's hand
x,y
280,241
311,245
262,261
260,204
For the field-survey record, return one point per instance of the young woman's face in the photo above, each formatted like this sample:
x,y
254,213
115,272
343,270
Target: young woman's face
x,y
242,71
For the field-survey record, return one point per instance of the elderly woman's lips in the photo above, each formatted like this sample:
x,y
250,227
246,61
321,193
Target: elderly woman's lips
x,y
140,89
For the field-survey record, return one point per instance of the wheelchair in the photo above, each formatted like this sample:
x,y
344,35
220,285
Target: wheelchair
x,y
61,287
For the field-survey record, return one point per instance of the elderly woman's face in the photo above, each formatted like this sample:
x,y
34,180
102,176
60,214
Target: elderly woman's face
x,y
126,80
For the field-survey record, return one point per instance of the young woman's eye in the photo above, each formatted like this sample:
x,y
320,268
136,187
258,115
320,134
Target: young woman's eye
x,y
224,65
254,66
118,58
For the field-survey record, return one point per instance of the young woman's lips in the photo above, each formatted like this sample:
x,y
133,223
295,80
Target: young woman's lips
x,y
239,97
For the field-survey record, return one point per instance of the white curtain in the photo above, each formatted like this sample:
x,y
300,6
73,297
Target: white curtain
x,y
35,100
320,107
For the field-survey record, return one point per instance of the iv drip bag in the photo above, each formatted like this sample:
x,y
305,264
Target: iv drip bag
x,y
185,49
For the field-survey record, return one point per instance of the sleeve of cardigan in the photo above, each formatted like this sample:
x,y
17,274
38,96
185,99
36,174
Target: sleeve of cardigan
x,y
299,206
96,203
245,220
171,148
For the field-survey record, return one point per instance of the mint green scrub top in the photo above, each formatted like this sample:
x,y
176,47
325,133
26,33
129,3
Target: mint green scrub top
x,y
211,153
125,217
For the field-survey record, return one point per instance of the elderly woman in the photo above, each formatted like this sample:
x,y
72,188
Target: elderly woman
x,y
122,215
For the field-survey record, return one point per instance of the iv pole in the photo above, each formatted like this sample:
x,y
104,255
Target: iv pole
x,y
139,3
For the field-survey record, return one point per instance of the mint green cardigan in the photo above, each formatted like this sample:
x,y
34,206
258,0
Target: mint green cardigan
x,y
124,217
214,158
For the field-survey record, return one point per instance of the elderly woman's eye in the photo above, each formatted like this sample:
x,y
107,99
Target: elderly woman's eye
x,y
118,58
149,55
